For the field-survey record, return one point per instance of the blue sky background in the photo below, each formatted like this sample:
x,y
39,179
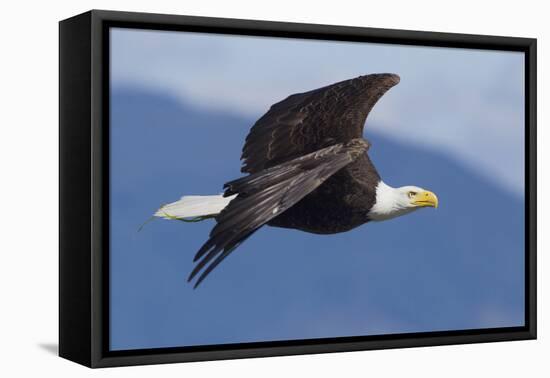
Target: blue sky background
x,y
181,106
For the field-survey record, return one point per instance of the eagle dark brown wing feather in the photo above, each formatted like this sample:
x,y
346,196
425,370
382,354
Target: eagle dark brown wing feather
x,y
310,121
264,195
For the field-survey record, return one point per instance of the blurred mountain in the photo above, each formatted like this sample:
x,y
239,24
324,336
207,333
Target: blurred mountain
x,y
460,266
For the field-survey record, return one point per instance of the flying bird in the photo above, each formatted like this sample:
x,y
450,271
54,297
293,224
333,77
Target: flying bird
x,y
307,169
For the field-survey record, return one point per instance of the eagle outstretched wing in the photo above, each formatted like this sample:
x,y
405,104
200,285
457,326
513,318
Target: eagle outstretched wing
x,y
264,195
306,122
291,150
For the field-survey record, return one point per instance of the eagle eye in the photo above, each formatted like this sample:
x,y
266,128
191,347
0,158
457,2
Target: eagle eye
x,y
412,194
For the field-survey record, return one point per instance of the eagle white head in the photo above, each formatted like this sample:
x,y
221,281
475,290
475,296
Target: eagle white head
x,y
393,202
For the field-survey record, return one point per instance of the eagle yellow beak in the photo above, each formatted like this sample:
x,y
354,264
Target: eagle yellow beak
x,y
425,198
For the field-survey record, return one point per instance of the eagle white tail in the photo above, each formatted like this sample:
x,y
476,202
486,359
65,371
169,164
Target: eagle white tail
x,y
194,207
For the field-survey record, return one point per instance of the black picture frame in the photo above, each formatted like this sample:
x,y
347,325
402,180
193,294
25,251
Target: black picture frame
x,y
84,199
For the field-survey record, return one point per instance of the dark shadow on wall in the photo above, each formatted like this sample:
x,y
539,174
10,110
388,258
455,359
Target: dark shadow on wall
x,y
51,348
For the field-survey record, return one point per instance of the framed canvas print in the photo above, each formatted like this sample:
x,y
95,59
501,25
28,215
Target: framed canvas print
x,y
234,188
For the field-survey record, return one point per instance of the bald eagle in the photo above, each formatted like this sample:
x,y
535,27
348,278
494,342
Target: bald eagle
x,y
307,168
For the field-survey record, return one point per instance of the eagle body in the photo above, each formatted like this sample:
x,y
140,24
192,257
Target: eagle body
x,y
339,204
306,167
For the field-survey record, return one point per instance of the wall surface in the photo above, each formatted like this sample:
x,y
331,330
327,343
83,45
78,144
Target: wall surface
x,y
29,156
